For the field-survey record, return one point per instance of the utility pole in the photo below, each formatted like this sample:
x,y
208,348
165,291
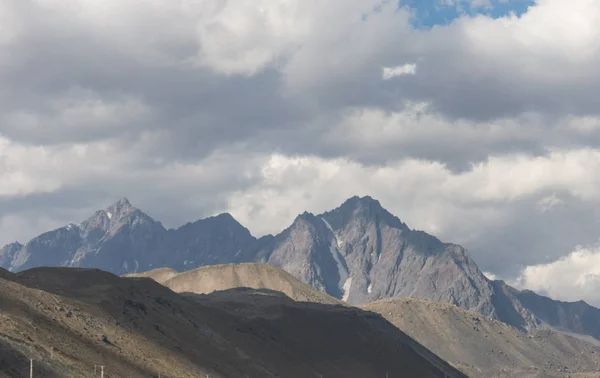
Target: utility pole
x,y
31,368
101,371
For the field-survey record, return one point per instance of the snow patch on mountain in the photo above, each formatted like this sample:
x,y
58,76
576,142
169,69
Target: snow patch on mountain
x,y
345,279
346,288
335,237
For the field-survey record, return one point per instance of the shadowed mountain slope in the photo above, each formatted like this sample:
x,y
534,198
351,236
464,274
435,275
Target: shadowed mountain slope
x,y
69,319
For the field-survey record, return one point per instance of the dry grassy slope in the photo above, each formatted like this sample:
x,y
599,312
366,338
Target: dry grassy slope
x,y
136,328
483,347
207,279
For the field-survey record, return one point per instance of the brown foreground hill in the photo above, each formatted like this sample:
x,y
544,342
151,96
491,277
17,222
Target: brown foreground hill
x,y
208,279
68,320
483,347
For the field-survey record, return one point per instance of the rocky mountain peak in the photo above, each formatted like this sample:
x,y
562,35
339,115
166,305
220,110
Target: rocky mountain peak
x,y
219,224
8,252
120,209
227,220
305,217
361,210
356,202
14,245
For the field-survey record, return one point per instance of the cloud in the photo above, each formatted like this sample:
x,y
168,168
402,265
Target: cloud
x,y
392,72
247,36
570,278
491,209
490,276
270,108
372,135
547,203
9,26
79,113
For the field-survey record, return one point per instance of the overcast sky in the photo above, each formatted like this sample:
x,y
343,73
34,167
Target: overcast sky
x,y
477,121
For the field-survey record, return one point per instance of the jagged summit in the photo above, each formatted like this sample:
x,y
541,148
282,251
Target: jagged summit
x,y
8,252
358,199
224,218
305,216
120,208
103,221
123,202
364,209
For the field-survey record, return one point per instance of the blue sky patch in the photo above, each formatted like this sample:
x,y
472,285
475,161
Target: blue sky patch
x,y
435,12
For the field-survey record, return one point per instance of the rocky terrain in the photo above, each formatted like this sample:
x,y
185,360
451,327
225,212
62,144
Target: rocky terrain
x,y
358,253
68,320
247,275
483,347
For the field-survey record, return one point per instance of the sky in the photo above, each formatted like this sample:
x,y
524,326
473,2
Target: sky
x,y
476,121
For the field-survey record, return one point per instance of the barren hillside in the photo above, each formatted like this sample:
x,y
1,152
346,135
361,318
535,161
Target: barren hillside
x,y
205,280
69,320
484,347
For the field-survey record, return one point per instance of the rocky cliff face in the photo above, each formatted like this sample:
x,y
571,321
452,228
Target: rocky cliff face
x,y
387,259
305,251
358,252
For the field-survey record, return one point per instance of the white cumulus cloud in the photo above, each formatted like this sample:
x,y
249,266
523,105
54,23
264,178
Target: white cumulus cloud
x,y
570,278
392,72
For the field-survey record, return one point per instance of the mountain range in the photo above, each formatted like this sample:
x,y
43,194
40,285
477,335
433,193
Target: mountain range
x,y
358,252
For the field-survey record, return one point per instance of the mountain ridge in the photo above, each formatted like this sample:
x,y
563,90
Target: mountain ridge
x,y
358,252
